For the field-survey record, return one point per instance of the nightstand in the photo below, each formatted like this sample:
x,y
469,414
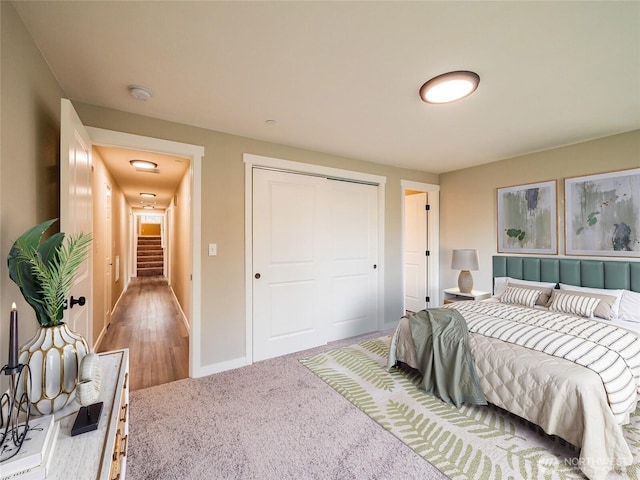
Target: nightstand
x,y
455,295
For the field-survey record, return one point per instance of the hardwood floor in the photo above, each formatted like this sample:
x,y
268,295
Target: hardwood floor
x,y
148,322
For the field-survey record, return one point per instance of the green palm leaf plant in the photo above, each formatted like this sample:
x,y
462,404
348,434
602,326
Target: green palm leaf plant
x,y
45,269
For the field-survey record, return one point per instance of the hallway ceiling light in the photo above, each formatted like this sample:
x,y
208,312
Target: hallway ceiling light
x,y
148,207
449,87
148,195
144,164
140,93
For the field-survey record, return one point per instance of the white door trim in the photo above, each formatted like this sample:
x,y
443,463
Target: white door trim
x,y
252,161
433,238
195,153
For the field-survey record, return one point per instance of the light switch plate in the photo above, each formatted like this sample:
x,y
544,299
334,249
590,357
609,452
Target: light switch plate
x,y
213,249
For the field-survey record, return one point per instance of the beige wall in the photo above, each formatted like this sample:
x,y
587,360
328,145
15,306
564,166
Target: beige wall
x,y
100,180
29,156
181,246
121,236
223,292
151,229
468,198
29,164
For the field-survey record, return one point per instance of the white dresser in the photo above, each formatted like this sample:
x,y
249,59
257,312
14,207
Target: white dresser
x,y
102,453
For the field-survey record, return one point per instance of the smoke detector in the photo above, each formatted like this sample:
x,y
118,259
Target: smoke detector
x,y
140,93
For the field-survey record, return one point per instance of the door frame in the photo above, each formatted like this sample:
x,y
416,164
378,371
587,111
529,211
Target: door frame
x,y
433,238
251,161
195,154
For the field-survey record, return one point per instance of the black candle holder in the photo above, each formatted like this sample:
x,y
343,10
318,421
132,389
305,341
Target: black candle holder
x,y
13,432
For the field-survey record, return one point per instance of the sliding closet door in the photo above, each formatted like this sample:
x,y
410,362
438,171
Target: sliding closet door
x,y
353,254
290,284
315,254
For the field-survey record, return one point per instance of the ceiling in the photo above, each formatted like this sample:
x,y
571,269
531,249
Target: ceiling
x,y
343,77
162,181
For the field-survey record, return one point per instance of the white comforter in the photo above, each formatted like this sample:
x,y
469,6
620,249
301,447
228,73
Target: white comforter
x,y
560,395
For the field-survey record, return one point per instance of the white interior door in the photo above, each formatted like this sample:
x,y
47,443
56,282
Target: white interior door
x,y
353,256
76,211
415,267
290,284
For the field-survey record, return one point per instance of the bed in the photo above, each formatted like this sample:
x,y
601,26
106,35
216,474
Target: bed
x,y
568,360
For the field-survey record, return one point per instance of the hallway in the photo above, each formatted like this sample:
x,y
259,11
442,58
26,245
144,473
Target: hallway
x,y
148,322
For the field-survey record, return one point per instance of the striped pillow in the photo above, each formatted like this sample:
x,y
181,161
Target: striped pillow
x,y
604,309
573,304
520,296
545,293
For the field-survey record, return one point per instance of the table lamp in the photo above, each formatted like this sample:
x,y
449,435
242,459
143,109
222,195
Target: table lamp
x,y
465,260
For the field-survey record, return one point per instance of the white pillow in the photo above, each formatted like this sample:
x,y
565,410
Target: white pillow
x,y
520,296
500,284
615,308
629,307
573,304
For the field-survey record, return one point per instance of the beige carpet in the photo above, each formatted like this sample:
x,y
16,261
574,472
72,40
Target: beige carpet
x,y
272,420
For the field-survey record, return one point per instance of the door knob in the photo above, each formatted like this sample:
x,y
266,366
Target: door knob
x,y
77,301
257,275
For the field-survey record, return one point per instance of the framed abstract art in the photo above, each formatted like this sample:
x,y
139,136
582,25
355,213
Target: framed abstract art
x,y
602,214
527,216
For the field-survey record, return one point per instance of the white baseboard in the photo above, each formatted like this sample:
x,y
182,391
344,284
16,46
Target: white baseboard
x,y
104,329
185,320
99,340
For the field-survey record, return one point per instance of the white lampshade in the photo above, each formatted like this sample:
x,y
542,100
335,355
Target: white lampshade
x,y
464,260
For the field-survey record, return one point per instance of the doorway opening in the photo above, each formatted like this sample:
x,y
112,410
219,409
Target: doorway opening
x,y
420,241
170,265
151,248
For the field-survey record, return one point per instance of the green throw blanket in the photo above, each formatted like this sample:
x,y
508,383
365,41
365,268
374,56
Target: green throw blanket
x,y
441,339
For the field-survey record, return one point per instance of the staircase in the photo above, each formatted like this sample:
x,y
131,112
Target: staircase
x,y
150,256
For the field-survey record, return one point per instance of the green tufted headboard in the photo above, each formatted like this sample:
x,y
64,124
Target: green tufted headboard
x,y
611,274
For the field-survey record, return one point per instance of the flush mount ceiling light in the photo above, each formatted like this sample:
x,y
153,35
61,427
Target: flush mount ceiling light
x,y
144,164
148,207
140,93
449,87
148,195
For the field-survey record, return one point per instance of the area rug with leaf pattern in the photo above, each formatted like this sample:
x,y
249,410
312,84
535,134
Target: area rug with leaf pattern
x,y
473,442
